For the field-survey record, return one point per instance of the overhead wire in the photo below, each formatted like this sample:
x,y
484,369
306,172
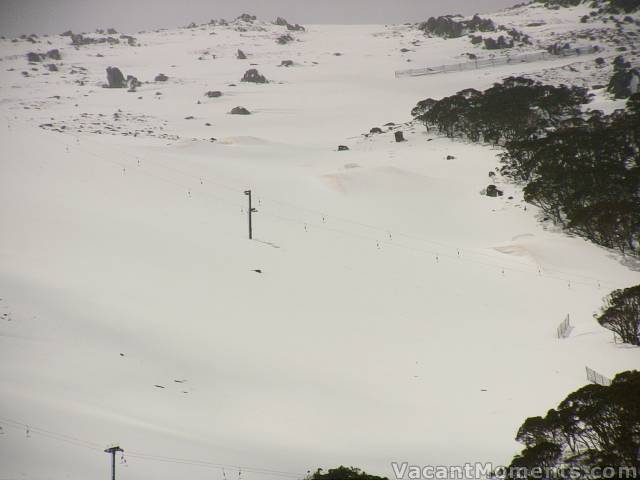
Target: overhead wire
x,y
504,263
72,440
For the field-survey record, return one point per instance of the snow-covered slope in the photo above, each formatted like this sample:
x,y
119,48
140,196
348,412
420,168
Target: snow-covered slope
x,y
397,315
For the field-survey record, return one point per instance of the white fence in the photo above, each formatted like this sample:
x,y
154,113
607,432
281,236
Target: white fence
x,y
496,61
595,377
564,329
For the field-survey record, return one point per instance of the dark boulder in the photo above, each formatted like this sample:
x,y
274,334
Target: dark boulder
x,y
286,63
375,130
253,76
161,77
492,191
293,28
240,111
497,44
52,67
213,94
78,40
240,55
33,57
133,82
54,54
342,148
399,136
115,78
284,39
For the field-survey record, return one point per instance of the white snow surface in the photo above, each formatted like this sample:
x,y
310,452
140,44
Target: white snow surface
x,y
399,316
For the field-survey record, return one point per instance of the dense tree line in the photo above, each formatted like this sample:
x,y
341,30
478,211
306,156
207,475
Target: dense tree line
x,y
560,3
595,426
608,6
448,27
585,175
516,108
583,171
622,6
621,314
342,473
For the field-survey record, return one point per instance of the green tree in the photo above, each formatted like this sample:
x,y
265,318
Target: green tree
x,y
595,426
621,314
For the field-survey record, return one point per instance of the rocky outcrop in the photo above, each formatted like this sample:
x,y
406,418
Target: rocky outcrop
x,y
245,17
79,39
132,83
497,44
253,76
283,23
161,77
115,78
33,57
284,39
493,191
131,41
240,111
240,55
54,54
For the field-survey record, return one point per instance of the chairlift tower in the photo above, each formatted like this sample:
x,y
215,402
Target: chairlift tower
x,y
113,450
251,211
